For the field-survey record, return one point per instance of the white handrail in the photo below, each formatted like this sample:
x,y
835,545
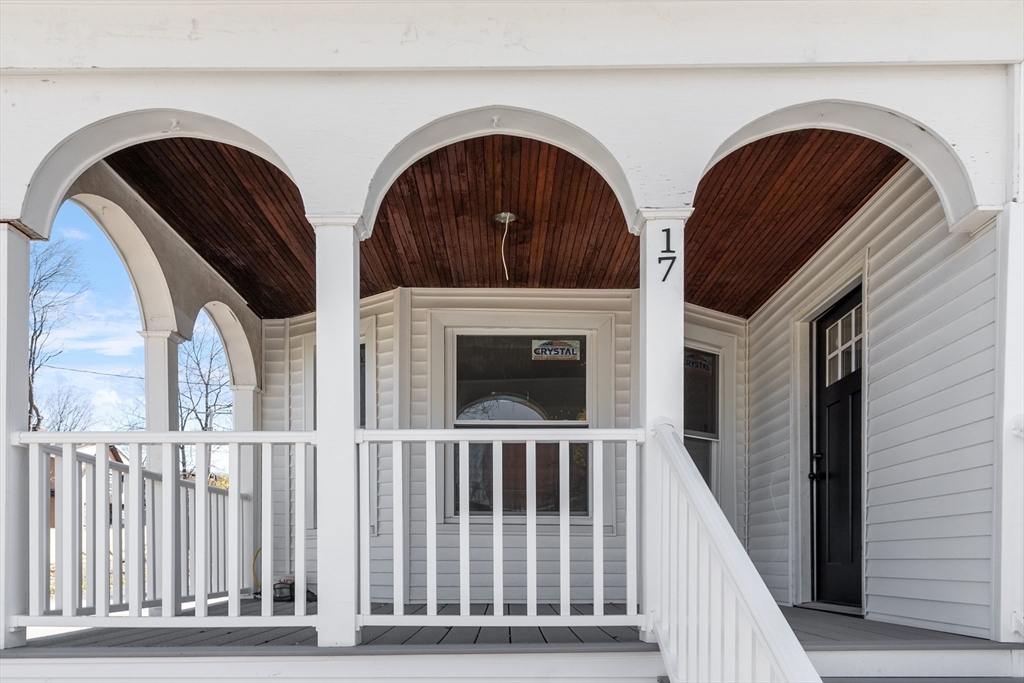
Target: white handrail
x,y
507,434
176,438
787,658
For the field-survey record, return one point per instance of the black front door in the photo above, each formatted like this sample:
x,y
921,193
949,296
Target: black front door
x,y
836,460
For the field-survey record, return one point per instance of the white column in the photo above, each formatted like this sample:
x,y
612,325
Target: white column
x,y
245,418
661,373
161,359
1009,542
14,266
337,382
161,350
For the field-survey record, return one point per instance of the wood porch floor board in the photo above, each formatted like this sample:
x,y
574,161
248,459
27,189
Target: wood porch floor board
x,y
816,631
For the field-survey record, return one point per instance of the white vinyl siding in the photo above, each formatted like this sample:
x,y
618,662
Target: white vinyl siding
x,y
929,299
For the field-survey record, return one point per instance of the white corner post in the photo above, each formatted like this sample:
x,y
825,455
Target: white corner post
x,y
161,351
14,279
161,362
661,377
337,382
245,418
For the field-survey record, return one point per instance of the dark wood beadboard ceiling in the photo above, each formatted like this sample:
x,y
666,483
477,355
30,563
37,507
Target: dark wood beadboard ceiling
x,y
760,214
241,213
436,226
765,209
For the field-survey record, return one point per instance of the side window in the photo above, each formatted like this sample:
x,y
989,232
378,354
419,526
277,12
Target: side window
x,y
700,410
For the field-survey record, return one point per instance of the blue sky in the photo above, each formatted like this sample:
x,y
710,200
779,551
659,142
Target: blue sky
x,y
103,351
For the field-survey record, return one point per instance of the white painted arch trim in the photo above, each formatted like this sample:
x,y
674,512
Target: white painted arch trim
x,y
236,344
156,307
925,148
80,150
495,120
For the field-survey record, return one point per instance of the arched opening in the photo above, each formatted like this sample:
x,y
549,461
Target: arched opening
x,y
437,225
763,210
79,151
496,120
86,356
924,147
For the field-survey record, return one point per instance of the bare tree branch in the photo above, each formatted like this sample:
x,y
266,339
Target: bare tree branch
x,y
67,409
56,282
205,400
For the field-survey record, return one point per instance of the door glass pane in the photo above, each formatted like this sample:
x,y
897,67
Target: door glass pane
x,y
857,350
847,327
700,453
833,370
832,336
700,390
858,322
846,366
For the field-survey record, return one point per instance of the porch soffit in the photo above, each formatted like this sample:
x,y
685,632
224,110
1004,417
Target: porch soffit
x,y
764,210
760,214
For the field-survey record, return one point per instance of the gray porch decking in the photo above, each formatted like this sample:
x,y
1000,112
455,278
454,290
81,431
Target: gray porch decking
x,y
816,631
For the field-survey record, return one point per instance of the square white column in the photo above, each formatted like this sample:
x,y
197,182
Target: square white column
x,y
661,374
14,286
337,382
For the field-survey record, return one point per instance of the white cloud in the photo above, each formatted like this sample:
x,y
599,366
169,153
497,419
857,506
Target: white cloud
x,y
75,234
100,329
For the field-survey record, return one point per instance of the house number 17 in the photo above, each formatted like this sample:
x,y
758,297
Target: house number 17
x,y
667,250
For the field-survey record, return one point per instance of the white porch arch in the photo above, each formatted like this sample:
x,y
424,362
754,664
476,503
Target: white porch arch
x,y
156,307
236,344
494,120
76,153
925,148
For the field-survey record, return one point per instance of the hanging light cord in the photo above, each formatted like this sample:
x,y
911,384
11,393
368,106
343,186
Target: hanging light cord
x,y
503,263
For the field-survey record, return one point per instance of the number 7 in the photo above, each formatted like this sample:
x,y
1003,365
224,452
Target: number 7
x,y
671,262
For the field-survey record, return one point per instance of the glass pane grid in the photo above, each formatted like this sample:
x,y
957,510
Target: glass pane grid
x,y
844,346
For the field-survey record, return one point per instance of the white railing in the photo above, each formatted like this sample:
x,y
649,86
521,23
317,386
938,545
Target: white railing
x,y
131,543
716,621
435,446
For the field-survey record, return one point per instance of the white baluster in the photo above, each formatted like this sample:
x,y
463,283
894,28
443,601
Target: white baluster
x,y
464,528
100,566
598,478
563,526
88,549
632,511
364,528
152,547
300,530
531,528
201,549
498,512
703,607
267,541
38,571
117,535
169,565
398,533
70,531
58,533
431,528
136,539
673,618
233,537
